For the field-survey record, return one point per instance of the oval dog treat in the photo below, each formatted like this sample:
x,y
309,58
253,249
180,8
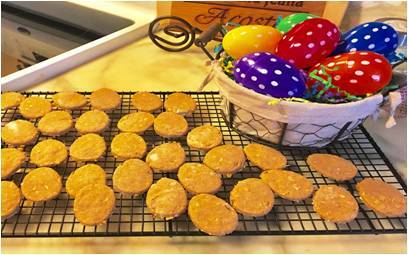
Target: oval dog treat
x,y
382,197
252,197
170,124
19,132
204,138
83,176
94,121
197,178
128,145
132,177
332,166
41,184
146,101
34,107
166,157
136,122
166,199
69,100
265,157
287,184
10,199
180,103
55,123
49,152
105,99
335,204
212,215
11,161
94,204
11,100
225,159
88,147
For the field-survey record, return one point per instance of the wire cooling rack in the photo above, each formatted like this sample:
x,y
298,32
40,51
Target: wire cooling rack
x,y
131,218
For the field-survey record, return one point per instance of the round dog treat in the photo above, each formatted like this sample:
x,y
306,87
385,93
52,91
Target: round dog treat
x,y
225,159
335,204
55,123
332,166
382,197
34,107
41,184
94,121
88,147
180,103
137,122
128,145
265,157
49,152
10,199
132,177
166,199
11,161
197,178
83,176
166,157
11,100
287,184
69,100
252,197
212,215
94,204
146,101
204,138
105,99
170,124
19,132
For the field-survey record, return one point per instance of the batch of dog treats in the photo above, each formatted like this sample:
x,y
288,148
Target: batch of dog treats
x,y
167,198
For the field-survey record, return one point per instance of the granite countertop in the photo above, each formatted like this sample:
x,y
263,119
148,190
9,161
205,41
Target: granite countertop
x,y
143,66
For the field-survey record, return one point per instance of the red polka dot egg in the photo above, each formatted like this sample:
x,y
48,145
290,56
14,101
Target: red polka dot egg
x,y
358,73
309,42
268,74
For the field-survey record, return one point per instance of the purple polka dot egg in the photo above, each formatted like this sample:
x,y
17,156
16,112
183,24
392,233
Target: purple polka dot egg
x,y
270,75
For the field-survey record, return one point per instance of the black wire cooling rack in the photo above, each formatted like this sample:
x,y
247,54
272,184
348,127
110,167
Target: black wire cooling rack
x,y
131,218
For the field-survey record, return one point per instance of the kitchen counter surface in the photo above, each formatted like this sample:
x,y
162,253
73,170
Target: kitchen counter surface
x,y
143,66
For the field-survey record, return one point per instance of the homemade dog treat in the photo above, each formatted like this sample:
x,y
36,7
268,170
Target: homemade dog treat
x,y
41,184
382,197
136,122
265,157
128,145
335,204
34,107
94,204
49,152
197,178
212,215
166,199
69,100
105,99
10,199
94,121
55,123
83,176
88,147
19,132
180,103
11,100
332,166
166,157
204,138
225,159
132,177
146,101
170,124
11,160
252,197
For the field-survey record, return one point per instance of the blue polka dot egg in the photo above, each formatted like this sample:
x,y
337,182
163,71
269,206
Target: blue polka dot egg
x,y
269,75
372,36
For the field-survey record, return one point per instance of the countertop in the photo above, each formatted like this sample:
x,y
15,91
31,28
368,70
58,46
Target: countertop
x,y
143,66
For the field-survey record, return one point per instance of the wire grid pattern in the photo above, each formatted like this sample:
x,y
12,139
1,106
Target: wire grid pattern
x,y
131,217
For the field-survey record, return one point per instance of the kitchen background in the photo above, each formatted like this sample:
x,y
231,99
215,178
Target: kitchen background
x,y
139,65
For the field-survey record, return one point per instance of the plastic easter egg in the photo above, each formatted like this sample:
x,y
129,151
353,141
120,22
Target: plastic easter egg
x,y
249,39
372,36
269,75
308,42
358,73
292,20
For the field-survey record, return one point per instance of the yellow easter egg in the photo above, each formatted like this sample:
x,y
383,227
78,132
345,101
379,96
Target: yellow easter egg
x,y
250,39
